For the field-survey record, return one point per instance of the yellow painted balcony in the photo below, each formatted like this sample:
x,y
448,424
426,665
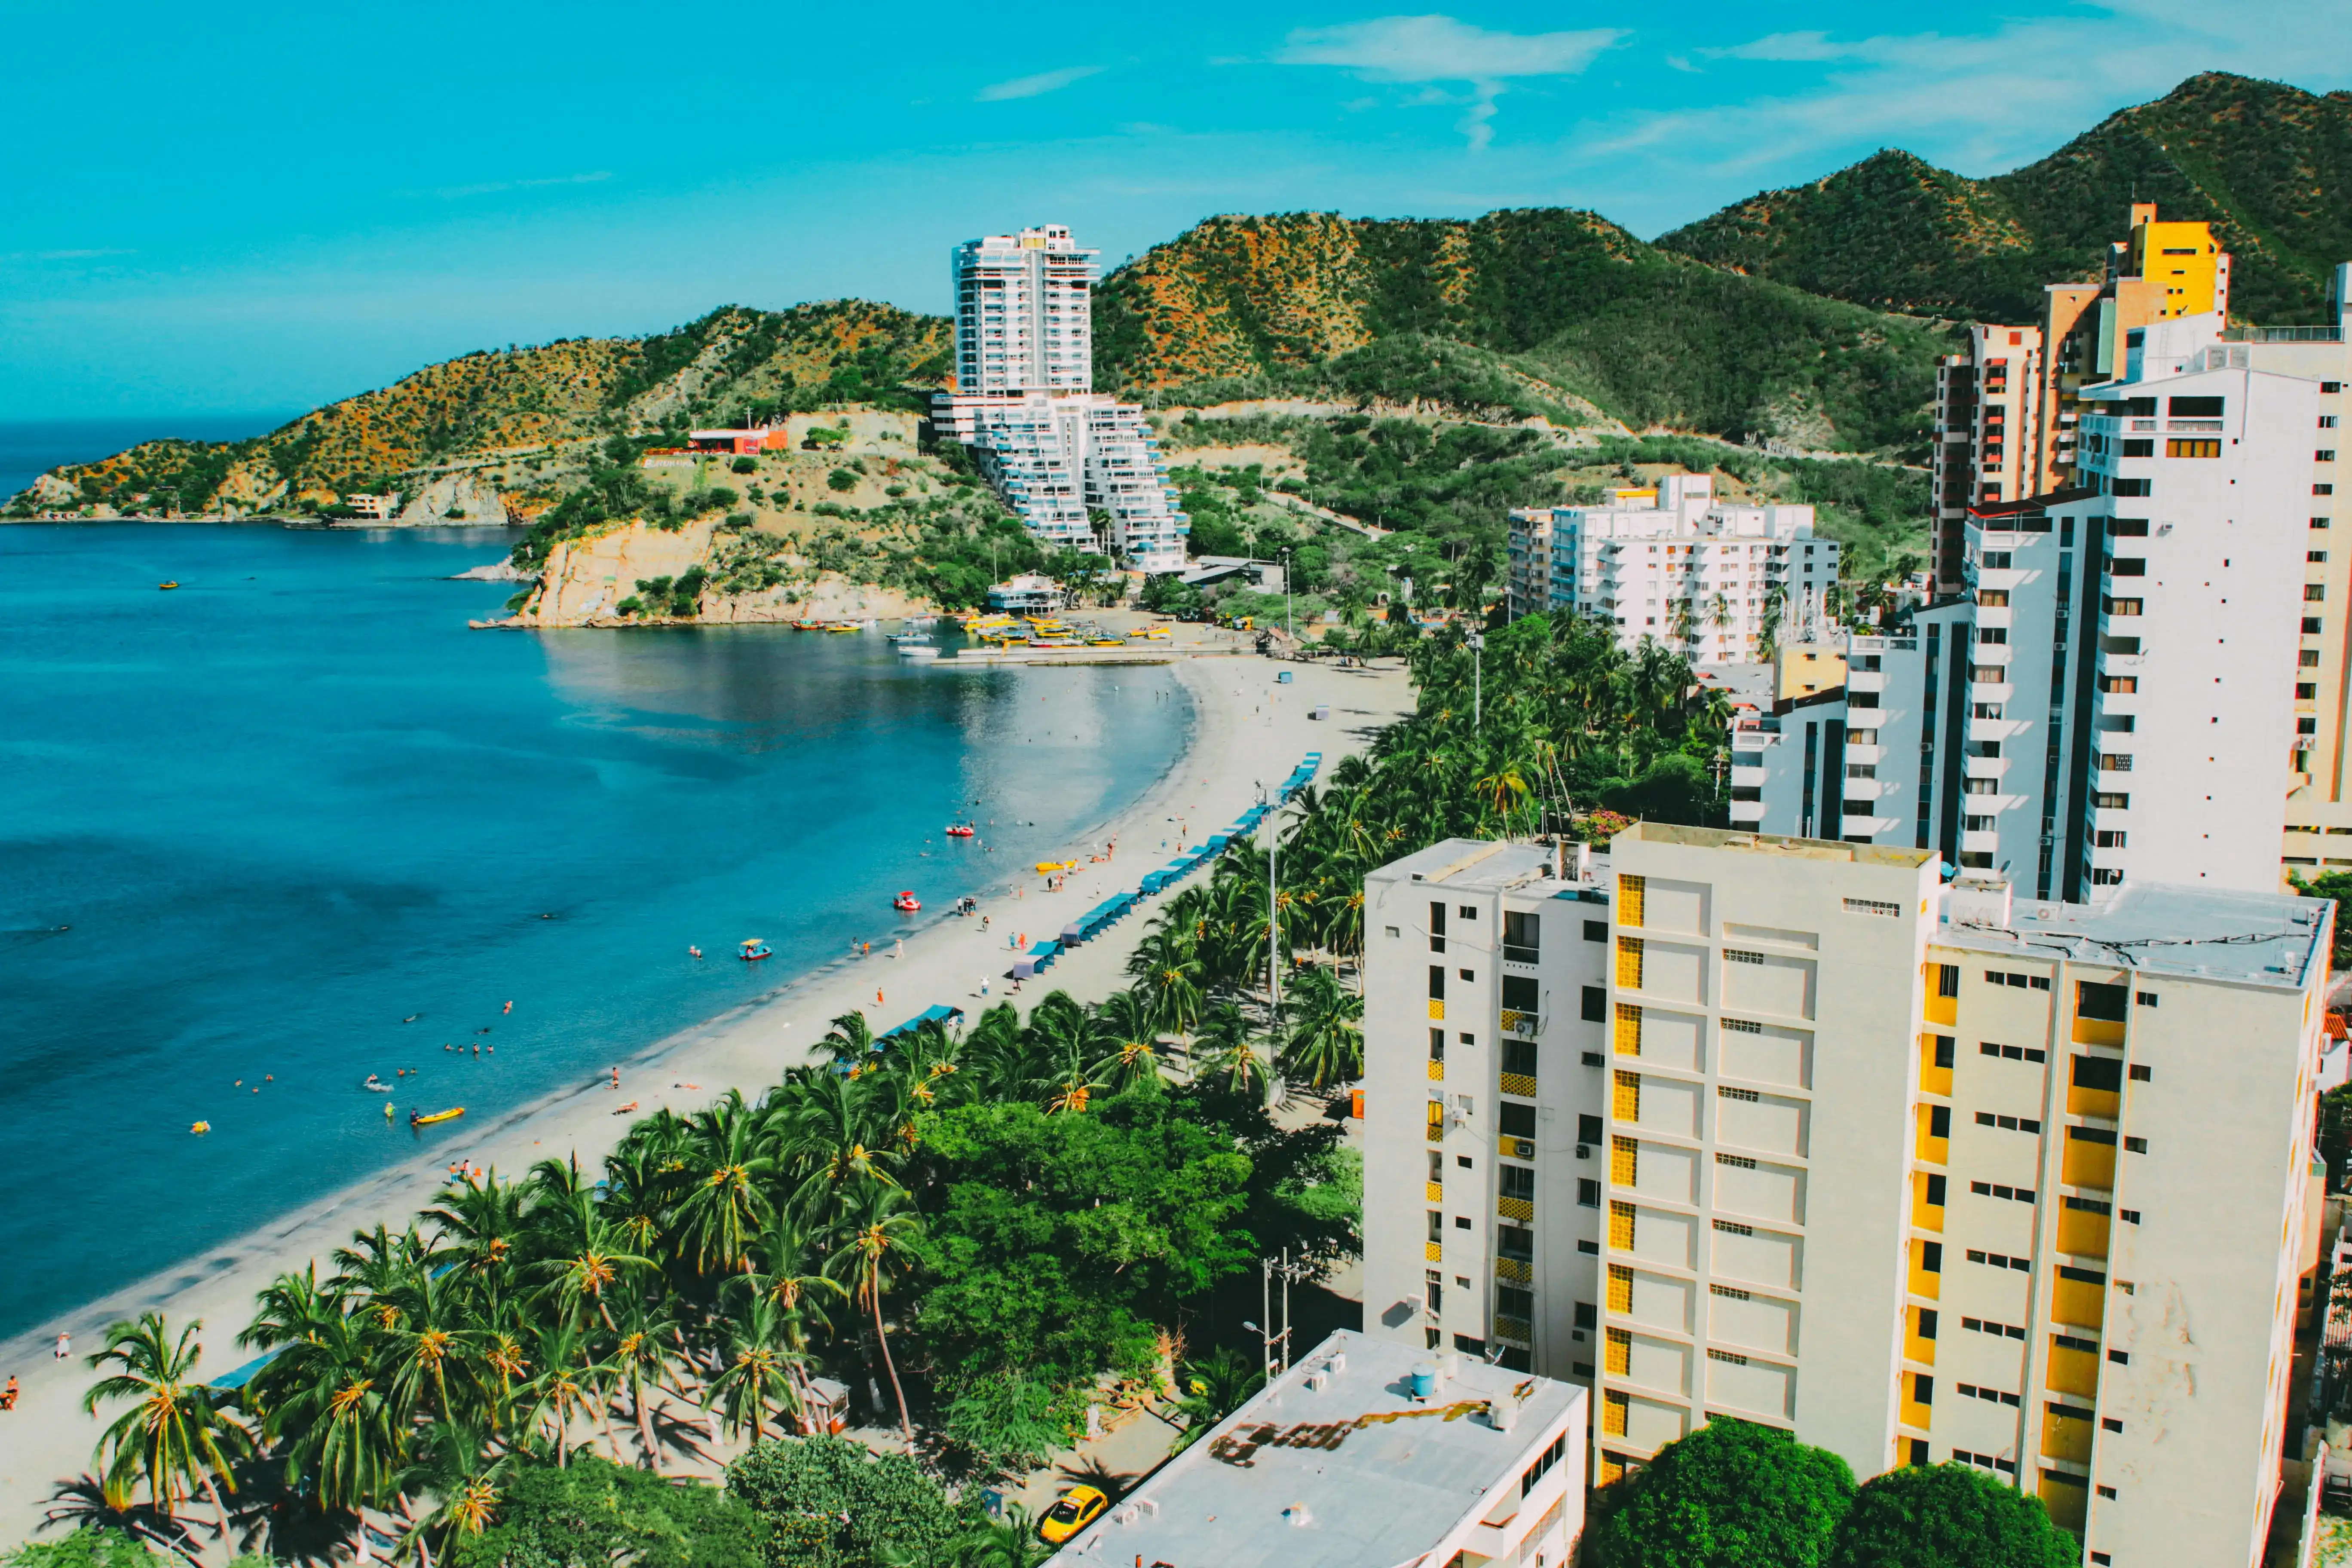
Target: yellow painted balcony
x,y
1437,1072
1514,1329
1515,1270
1941,1009
1625,1097
1916,1346
1522,1084
1612,1414
1933,1079
2083,1234
1516,1208
2097,1032
1631,894
1928,1280
1619,1359
1932,1147
1917,1417
1628,1034
2079,1298
1925,1215
1621,1225
2089,1158
1620,1288
1629,962
1519,1148
1437,1010
2074,1366
1435,1251
2102,1102
2066,1499
2066,1434
1436,1122
1435,1191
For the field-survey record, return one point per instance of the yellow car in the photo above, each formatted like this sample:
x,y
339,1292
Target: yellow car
x,y
1072,1512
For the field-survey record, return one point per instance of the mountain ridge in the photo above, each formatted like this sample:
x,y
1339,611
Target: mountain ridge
x,y
2268,164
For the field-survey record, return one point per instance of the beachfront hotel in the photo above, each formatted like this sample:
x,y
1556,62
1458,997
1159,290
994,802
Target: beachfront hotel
x,y
1726,1124
1672,564
1023,400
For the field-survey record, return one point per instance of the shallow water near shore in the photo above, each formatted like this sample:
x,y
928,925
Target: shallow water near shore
x,y
250,828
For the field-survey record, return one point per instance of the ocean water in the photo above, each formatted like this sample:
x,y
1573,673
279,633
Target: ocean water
x,y
250,826
31,447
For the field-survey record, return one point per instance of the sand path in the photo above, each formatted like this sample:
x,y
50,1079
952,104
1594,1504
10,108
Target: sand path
x,y
1248,729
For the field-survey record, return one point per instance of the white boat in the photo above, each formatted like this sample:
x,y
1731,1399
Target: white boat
x,y
922,623
904,638
918,650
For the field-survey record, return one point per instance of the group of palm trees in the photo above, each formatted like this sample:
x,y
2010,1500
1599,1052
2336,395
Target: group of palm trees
x,y
721,1259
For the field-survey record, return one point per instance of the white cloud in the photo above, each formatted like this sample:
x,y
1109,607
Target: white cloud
x,y
1032,86
1440,49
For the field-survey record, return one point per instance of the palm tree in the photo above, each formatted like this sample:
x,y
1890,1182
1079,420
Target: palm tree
x,y
1228,1050
760,1368
572,1381
324,1398
875,1233
1214,1387
176,1437
1127,1037
850,1040
1168,973
1008,1542
461,1474
728,1205
1326,1040
642,1352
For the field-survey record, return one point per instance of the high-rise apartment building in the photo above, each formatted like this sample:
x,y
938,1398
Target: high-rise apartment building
x,y
1784,1130
1986,402
2160,272
2116,693
1709,579
1082,469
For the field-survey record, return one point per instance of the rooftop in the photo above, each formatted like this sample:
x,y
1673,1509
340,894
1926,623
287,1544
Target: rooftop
x,y
1355,1473
2260,939
1775,844
1484,865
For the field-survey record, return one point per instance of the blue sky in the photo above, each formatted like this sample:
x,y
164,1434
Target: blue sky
x,y
267,205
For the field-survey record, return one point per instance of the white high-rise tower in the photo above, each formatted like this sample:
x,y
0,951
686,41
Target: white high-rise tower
x,y
1023,401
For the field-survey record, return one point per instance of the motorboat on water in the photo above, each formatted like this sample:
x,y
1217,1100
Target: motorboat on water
x,y
808,626
918,650
753,949
375,1085
903,638
923,623
961,829
907,903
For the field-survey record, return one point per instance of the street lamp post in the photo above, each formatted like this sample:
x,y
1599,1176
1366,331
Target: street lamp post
x,y
1477,678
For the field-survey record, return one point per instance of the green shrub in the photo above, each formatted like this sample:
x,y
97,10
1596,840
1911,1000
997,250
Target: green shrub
x,y
745,465
841,480
829,1503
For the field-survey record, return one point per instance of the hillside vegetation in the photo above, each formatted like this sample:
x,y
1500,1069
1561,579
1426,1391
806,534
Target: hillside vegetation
x,y
537,410
2268,164
1545,311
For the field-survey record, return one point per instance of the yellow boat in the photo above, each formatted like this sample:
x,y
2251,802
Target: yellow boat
x,y
450,1115
844,626
1047,868
174,583
1107,642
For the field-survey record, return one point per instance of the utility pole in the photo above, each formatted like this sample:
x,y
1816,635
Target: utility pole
x,y
1274,1344
1477,680
1288,629
1273,910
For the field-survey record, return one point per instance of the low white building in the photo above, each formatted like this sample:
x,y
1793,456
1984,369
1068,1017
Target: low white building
x,y
1708,579
1366,1455
1055,450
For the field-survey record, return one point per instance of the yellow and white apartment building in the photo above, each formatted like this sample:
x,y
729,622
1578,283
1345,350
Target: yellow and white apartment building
x,y
1919,1173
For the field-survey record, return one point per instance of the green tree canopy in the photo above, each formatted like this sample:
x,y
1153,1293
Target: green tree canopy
x,y
830,1503
1947,1516
1733,1494
593,1514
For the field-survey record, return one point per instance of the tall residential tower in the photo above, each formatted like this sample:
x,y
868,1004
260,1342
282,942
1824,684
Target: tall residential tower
x,y
1083,469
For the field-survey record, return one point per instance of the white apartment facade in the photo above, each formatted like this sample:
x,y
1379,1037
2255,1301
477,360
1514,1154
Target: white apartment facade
x,y
1710,580
1023,401
2115,695
2057,1235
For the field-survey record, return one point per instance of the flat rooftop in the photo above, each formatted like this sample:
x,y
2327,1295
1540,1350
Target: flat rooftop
x,y
2258,939
1356,1474
1775,844
1489,865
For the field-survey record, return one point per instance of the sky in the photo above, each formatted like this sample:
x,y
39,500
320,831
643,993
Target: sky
x,y
266,207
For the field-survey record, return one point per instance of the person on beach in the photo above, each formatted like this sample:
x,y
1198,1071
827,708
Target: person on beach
x,y
878,996
899,950
8,1394
616,1078
65,1348
983,922
984,986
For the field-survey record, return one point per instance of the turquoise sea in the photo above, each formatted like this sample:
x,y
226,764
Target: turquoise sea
x,y
249,827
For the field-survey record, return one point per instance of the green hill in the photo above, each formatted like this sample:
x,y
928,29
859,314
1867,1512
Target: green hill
x,y
1537,310
2268,164
547,403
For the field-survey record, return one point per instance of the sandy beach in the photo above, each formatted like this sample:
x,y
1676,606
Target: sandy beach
x,y
1248,730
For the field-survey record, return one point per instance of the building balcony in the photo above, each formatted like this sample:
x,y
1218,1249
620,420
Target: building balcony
x,y
1871,754
1742,777
1985,767
1983,838
1515,1208
1991,691
1865,680
1747,813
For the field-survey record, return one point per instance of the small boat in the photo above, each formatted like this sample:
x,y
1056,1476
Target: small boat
x,y
753,949
961,830
918,650
375,1085
1047,868
923,623
843,626
904,638
907,902
449,1115
174,583
201,1127
808,626
1107,642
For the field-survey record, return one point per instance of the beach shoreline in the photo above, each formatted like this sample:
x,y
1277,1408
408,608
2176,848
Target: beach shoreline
x,y
1245,730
